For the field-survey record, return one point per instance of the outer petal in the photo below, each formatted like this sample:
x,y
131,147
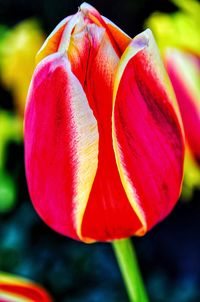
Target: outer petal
x,y
184,72
61,145
52,43
147,135
15,289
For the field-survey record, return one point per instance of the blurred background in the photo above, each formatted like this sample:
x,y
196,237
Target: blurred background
x,y
169,255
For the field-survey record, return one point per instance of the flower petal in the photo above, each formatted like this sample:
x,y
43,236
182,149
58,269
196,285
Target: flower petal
x,y
15,289
61,145
52,43
120,37
184,72
147,134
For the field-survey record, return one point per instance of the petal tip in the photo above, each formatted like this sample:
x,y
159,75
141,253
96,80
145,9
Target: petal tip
x,y
86,7
142,40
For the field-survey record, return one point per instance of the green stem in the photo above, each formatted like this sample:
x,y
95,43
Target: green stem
x,y
127,261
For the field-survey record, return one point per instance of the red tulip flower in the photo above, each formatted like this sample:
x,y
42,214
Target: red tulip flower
x,y
104,144
16,289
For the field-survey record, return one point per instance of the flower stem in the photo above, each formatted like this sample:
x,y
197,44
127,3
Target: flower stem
x,y
127,261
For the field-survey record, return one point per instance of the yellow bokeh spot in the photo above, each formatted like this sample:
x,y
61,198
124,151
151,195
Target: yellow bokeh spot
x,y
18,49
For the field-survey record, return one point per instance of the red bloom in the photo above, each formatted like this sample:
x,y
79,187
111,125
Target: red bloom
x,y
104,144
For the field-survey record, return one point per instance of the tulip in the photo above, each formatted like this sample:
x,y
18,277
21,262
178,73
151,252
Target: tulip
x,y
16,289
182,60
104,143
